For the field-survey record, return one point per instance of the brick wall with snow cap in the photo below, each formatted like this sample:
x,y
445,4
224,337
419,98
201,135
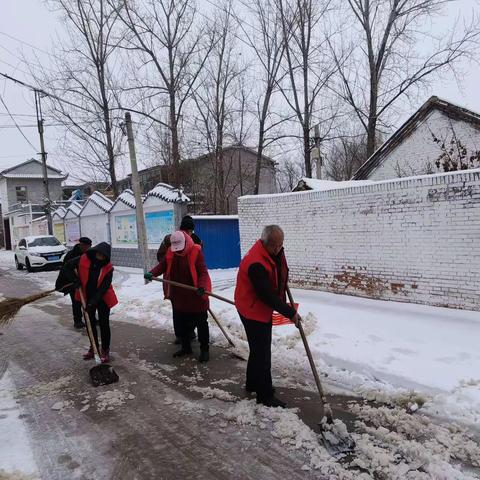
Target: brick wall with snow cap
x,y
411,240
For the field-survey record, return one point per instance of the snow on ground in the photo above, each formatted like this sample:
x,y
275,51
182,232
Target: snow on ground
x,y
382,350
16,456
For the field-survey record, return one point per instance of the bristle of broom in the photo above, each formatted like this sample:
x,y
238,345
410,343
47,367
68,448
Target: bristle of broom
x,y
11,306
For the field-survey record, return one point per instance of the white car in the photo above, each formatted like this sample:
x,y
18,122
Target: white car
x,y
39,252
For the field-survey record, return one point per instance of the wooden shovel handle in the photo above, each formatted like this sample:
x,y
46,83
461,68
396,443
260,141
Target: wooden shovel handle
x,y
190,287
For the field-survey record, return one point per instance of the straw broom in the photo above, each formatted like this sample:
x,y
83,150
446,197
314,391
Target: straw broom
x,y
11,306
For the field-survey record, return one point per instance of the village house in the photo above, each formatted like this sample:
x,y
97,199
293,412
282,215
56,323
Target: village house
x,y
439,137
197,179
23,199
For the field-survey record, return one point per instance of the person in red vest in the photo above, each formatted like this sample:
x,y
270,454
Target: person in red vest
x,y
261,288
184,263
93,273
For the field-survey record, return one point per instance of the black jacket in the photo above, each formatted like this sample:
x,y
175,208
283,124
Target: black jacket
x,y
62,278
94,292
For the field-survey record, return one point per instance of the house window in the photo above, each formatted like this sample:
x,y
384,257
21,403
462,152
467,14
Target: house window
x,y
21,194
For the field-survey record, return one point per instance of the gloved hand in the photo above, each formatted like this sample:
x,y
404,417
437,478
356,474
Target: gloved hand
x,y
297,319
148,276
200,291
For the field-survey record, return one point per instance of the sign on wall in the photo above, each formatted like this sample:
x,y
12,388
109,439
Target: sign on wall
x,y
126,229
158,224
59,232
72,231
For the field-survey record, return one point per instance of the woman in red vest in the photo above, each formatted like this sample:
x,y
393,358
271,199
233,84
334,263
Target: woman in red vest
x,y
261,287
95,274
184,263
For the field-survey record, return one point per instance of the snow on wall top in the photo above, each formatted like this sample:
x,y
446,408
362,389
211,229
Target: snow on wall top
x,y
322,185
60,212
431,178
33,175
168,193
100,200
75,208
215,217
127,197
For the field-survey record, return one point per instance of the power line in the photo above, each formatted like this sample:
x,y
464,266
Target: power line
x,y
14,121
27,44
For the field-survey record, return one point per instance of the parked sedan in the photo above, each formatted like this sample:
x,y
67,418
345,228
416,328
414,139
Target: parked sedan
x,y
39,252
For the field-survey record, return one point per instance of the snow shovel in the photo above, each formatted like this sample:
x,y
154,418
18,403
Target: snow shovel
x,y
102,373
335,435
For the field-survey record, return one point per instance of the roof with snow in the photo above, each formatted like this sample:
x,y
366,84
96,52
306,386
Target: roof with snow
x,y
100,200
32,169
127,197
323,185
433,103
75,208
60,212
168,193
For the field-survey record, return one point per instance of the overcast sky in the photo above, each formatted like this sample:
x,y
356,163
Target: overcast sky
x,y
29,21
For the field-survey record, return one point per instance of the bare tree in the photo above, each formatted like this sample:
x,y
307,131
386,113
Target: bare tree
x,y
289,173
84,75
216,102
309,69
172,49
395,55
265,39
346,156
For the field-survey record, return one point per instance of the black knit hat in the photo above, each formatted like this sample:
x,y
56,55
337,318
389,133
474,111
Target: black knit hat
x,y
85,240
187,223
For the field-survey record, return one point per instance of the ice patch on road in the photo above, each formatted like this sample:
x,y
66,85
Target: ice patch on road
x,y
110,399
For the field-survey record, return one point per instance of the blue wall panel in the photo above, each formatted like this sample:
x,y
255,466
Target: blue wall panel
x,y
221,241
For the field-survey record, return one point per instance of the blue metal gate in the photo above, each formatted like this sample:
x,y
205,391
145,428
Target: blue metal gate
x,y
221,240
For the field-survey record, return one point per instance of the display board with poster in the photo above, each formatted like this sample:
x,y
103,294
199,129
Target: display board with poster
x,y
59,231
158,224
125,230
72,231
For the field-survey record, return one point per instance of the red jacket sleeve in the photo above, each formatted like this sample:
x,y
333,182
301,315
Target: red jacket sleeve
x,y
202,272
160,269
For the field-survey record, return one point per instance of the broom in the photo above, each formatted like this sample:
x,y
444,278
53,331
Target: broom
x,y
11,306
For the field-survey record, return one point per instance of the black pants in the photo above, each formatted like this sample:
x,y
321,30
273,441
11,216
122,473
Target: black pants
x,y
188,322
104,323
76,309
177,327
259,367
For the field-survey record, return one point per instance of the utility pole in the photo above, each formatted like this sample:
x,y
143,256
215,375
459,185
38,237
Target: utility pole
x,y
315,152
43,153
141,231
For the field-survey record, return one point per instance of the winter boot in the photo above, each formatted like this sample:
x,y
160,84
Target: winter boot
x,y
272,402
182,352
204,355
89,355
105,355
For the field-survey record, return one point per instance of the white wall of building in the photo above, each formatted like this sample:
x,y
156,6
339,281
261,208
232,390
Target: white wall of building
x,y
417,153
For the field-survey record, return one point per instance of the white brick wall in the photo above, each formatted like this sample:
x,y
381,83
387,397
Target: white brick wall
x,y
412,240
417,153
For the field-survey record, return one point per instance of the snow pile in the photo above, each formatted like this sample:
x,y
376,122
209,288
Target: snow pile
x,y
110,399
16,475
47,389
59,406
208,392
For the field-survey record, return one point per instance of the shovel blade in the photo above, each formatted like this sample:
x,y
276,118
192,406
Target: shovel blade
x,y
103,375
336,438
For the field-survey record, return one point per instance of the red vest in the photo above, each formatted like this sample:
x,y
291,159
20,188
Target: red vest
x,y
83,271
246,300
192,259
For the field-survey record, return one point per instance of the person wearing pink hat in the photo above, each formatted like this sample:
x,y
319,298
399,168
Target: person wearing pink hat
x,y
184,263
